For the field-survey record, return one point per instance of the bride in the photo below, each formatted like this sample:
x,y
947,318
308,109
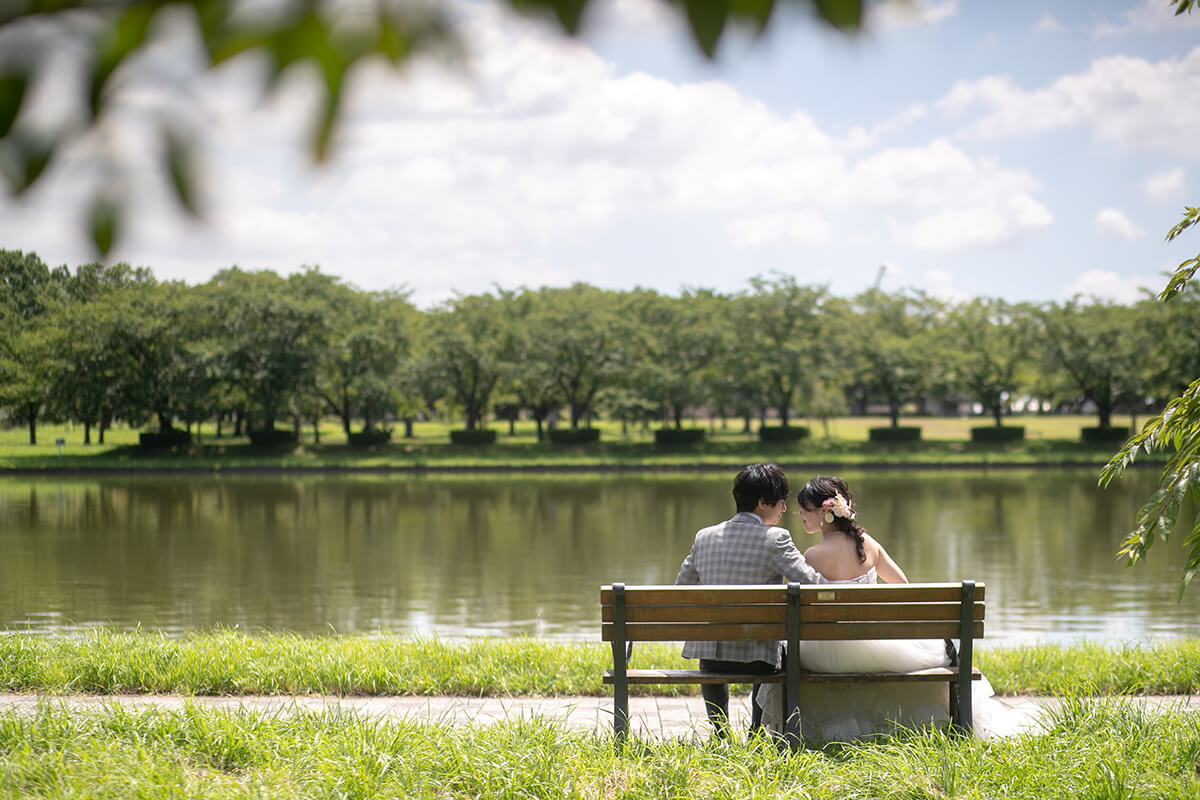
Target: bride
x,y
846,553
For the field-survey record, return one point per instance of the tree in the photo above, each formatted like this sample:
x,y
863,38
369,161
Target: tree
x,y
85,385
467,352
334,39
992,343
1095,348
677,348
29,295
271,338
581,343
1176,432
785,317
894,347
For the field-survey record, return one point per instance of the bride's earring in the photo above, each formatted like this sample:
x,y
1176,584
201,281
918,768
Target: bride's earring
x,y
829,517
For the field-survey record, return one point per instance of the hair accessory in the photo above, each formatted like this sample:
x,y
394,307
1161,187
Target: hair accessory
x,y
837,506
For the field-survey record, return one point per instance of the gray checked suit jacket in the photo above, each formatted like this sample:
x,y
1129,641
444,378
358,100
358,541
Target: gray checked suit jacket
x,y
742,550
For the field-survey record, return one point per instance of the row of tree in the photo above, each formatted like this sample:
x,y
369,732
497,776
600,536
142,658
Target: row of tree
x,y
253,348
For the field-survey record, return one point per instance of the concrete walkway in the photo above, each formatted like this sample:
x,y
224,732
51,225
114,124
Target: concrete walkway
x,y
672,717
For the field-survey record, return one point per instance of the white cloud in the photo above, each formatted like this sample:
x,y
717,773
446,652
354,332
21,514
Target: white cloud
x,y
1115,223
1164,186
891,15
1130,100
1047,23
1105,285
1150,16
803,226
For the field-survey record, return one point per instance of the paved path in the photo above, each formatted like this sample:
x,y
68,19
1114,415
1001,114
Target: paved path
x,y
673,717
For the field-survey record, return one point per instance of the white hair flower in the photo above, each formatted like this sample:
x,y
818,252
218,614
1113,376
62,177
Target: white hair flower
x,y
837,506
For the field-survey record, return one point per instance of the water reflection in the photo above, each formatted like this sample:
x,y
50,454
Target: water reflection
x,y
521,555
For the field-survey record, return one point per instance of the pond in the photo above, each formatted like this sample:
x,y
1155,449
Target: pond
x,y
472,555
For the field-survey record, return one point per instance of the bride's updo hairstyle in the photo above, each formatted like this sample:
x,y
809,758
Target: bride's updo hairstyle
x,y
822,488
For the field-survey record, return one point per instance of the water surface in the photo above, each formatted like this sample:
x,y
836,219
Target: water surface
x,y
524,555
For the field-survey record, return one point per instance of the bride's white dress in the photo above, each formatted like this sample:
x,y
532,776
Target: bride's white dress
x,y
848,711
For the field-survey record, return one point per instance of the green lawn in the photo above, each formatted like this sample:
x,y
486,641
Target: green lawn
x,y
228,662
1050,439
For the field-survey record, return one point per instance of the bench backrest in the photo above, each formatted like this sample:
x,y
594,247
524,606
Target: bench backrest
x,y
760,613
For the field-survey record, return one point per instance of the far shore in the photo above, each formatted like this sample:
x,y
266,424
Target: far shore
x,y
1051,441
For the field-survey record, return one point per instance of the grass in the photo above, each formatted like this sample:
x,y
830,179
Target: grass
x,y
1051,439
1093,749
231,663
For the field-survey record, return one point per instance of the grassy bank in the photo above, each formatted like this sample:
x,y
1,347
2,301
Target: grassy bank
x,y
1093,749
227,662
1050,440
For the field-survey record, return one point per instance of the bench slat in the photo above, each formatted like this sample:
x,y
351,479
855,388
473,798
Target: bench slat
x,y
646,676
695,676
774,614
815,631
825,612
824,593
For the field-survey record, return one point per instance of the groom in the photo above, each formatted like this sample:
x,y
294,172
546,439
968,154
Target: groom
x,y
745,549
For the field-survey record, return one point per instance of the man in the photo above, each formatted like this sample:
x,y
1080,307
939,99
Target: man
x,y
745,549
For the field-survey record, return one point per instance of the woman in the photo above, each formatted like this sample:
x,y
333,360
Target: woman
x,y
846,553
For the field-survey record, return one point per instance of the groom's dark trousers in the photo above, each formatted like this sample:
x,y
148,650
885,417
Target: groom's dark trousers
x,y
716,695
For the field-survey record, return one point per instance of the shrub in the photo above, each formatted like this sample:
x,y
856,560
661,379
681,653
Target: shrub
x,y
990,434
782,433
578,436
904,433
679,436
481,436
273,438
1110,435
369,438
171,438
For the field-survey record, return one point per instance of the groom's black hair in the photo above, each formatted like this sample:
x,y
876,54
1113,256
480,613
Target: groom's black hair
x,y
756,482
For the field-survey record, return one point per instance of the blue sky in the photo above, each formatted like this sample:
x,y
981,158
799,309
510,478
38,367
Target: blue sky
x,y
1023,150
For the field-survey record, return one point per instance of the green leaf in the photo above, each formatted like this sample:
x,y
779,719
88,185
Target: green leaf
x,y
707,20
757,11
121,40
26,159
180,168
12,93
105,222
845,15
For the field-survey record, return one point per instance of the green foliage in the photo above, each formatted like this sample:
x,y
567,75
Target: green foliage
x,y
331,41
770,434
1187,270
575,435
997,433
895,347
895,433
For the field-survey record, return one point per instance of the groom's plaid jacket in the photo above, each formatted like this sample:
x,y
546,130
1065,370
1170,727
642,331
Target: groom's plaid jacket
x,y
742,550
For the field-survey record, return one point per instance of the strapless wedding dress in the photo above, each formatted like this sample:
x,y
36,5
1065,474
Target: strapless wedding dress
x,y
833,712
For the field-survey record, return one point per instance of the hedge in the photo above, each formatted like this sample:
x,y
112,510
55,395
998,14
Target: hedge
x,y
780,433
995,433
171,438
903,433
578,436
273,438
679,436
1110,435
369,438
481,436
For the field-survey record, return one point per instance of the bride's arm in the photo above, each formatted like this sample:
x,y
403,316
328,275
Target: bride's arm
x,y
885,566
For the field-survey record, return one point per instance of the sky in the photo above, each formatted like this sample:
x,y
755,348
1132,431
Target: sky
x,y
1021,150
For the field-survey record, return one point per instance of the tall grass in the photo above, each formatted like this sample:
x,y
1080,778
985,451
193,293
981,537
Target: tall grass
x,y
229,662
1094,750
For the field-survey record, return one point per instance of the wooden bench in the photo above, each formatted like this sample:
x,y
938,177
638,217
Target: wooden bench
x,y
792,613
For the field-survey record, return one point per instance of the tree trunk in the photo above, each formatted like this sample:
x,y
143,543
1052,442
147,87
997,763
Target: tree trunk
x,y
894,411
87,432
541,434
316,423
996,414
31,415
408,428
1105,413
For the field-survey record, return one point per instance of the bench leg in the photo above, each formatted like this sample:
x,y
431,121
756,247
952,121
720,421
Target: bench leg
x,y
621,710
